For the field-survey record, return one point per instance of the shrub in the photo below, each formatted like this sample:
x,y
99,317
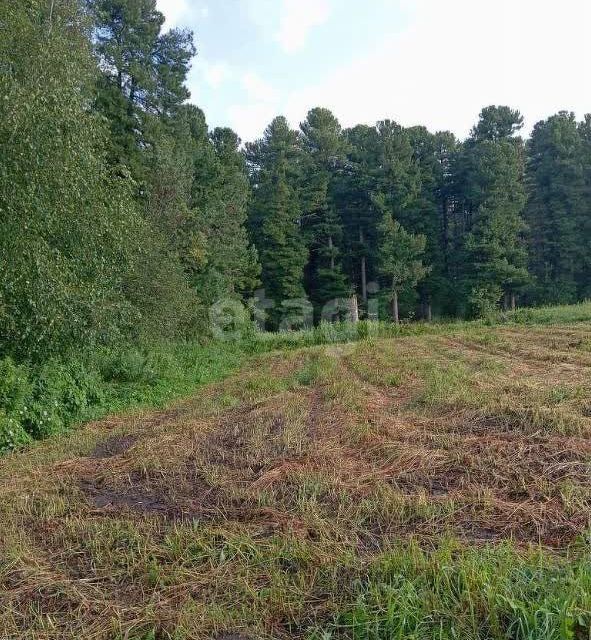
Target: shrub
x,y
126,367
60,397
12,434
15,387
44,420
483,300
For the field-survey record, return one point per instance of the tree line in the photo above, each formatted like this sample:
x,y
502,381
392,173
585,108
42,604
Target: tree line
x,y
123,216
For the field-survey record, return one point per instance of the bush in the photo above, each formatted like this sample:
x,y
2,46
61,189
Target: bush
x,y
483,300
12,434
15,387
44,420
127,367
62,394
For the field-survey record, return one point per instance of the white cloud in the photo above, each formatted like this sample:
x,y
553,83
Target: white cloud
x,y
459,56
262,13
215,74
452,58
297,19
250,120
175,11
259,90
180,13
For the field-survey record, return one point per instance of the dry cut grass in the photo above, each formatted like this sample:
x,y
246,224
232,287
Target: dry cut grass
x,y
267,506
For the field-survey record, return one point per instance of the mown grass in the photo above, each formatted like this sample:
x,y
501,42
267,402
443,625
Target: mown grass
x,y
41,400
562,314
424,486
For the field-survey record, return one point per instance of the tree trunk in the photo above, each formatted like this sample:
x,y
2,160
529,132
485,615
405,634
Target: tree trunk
x,y
353,309
426,307
513,301
363,269
445,233
330,246
395,316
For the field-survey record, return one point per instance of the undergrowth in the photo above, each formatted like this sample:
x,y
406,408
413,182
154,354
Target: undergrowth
x,y
40,400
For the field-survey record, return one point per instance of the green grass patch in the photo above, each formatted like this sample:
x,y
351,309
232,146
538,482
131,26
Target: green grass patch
x,y
450,592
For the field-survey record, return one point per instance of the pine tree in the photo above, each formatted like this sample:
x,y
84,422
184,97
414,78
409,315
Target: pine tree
x,y
275,215
399,178
556,208
429,215
354,185
584,280
324,147
143,73
493,250
400,257
497,124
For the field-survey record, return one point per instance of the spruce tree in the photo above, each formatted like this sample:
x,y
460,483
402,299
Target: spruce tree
x,y
197,195
232,262
324,152
275,215
556,209
429,212
354,185
400,257
493,252
584,280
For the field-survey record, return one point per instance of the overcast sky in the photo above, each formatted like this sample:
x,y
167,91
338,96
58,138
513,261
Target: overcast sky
x,y
431,62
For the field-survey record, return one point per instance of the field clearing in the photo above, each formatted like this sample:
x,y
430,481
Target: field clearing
x,y
429,486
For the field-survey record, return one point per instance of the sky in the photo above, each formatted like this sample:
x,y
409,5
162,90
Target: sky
x,y
429,62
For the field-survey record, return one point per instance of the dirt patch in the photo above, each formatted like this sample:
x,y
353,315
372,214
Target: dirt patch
x,y
185,496
114,446
249,441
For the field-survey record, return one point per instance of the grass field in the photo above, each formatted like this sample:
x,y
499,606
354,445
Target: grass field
x,y
422,486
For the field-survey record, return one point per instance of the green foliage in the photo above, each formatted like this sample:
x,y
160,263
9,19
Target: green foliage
x,y
125,221
143,73
493,251
231,268
324,146
429,213
558,209
275,214
484,299
68,227
127,366
468,593
400,257
15,387
563,314
49,398
12,434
